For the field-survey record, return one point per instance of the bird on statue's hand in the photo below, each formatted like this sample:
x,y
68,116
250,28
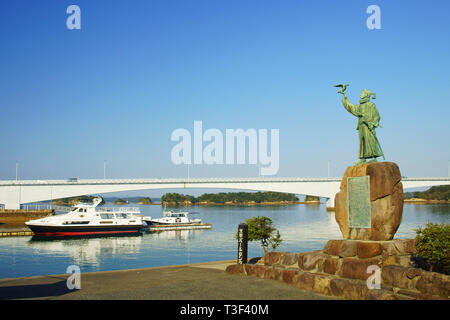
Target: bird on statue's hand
x,y
342,86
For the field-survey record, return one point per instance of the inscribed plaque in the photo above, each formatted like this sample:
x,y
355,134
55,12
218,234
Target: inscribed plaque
x,y
358,195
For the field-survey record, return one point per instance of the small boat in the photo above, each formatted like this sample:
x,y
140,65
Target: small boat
x,y
88,219
173,218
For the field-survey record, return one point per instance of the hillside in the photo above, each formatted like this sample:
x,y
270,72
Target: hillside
x,y
441,193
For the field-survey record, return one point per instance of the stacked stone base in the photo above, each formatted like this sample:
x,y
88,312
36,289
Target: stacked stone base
x,y
340,270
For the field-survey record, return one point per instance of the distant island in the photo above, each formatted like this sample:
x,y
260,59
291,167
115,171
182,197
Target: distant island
x,y
312,200
206,199
71,201
145,200
437,194
121,201
230,198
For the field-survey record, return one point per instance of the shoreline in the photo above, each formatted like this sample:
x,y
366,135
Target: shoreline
x,y
424,201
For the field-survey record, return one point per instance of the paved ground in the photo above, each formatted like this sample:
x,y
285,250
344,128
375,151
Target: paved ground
x,y
204,281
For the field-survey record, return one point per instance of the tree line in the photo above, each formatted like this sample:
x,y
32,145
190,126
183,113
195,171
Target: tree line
x,y
230,197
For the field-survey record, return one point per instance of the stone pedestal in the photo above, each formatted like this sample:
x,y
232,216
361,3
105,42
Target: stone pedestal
x,y
371,207
342,269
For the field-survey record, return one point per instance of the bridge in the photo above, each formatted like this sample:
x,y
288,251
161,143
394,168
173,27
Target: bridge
x,y
13,193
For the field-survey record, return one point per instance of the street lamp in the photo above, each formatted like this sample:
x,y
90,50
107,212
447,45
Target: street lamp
x,y
328,168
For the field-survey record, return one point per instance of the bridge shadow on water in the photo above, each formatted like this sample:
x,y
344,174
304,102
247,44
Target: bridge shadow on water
x,y
34,291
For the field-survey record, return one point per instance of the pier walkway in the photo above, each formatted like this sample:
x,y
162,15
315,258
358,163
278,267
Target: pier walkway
x,y
200,281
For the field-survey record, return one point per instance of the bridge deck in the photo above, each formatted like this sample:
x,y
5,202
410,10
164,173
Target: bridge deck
x,y
189,180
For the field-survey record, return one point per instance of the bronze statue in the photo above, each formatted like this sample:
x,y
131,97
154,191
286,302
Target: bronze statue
x,y
368,120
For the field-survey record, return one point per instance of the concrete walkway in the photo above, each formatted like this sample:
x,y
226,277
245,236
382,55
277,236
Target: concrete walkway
x,y
201,281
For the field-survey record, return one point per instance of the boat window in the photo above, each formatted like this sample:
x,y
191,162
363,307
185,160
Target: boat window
x,y
107,216
75,222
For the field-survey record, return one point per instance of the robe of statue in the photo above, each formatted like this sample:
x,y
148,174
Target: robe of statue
x,y
368,120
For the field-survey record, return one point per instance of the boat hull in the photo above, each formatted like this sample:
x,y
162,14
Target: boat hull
x,y
62,231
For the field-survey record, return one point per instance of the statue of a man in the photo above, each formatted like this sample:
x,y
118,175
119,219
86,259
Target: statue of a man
x,y
368,120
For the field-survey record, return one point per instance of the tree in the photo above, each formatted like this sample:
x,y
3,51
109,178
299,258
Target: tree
x,y
433,245
276,240
262,229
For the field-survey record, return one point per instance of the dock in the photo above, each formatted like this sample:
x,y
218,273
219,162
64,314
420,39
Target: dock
x,y
16,234
181,226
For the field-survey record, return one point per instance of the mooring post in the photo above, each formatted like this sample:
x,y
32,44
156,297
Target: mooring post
x,y
242,243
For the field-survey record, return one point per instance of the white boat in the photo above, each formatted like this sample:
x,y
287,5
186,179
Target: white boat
x,y
173,218
88,219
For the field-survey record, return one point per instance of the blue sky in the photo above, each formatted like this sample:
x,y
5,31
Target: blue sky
x,y
137,70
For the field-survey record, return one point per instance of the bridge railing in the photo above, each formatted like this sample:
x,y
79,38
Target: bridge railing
x,y
102,209
34,207
62,208
118,209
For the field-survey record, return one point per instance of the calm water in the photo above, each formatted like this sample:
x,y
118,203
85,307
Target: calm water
x,y
302,227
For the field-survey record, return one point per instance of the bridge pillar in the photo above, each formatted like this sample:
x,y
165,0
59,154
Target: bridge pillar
x,y
12,206
10,197
330,202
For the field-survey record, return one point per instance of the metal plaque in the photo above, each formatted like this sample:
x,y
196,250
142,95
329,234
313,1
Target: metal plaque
x,y
358,196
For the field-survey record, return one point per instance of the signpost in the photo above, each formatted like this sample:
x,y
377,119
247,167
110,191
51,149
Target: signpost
x,y
242,243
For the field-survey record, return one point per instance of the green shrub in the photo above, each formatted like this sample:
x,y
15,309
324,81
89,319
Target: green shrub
x,y
433,246
262,229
